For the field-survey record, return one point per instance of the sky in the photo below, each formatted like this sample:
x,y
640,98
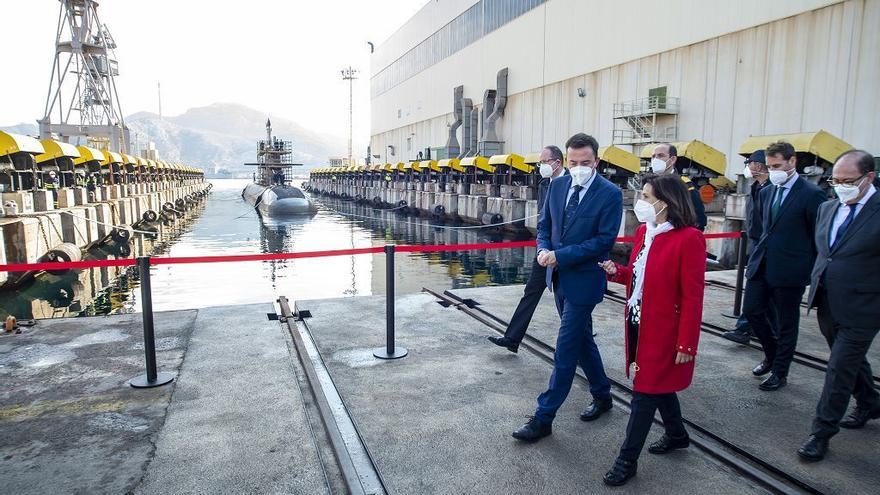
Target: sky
x,y
279,56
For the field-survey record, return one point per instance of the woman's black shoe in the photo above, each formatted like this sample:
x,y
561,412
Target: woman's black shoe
x,y
620,472
668,444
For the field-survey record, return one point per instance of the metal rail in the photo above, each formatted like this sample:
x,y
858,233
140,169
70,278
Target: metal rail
x,y
358,470
762,472
725,286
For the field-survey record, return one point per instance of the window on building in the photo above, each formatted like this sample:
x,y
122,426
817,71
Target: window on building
x,y
409,144
657,97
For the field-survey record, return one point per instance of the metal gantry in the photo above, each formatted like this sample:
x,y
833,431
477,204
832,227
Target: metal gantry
x,y
82,99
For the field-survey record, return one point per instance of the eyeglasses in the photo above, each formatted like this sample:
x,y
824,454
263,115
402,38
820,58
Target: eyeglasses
x,y
845,182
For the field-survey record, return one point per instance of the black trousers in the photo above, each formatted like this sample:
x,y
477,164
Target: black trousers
x,y
774,314
849,373
532,293
641,416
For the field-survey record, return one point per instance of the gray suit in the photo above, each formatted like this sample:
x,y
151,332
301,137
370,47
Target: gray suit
x,y
845,287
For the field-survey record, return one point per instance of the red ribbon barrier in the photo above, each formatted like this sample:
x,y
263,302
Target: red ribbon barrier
x,y
415,248
407,248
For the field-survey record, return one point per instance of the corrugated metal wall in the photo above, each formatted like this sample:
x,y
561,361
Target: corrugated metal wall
x,y
816,70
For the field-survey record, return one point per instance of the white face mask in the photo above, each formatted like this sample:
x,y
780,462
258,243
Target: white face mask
x,y
546,170
847,192
580,174
747,172
645,211
658,166
778,177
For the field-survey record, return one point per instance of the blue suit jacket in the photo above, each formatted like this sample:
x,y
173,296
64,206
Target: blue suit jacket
x,y
584,241
785,246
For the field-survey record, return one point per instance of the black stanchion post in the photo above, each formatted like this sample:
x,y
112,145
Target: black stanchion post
x,y
152,378
389,351
740,273
742,259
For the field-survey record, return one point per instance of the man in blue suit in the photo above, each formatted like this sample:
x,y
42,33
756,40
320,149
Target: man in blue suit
x,y
576,230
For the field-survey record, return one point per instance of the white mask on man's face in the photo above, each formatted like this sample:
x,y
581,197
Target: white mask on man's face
x,y
580,174
779,177
546,170
848,192
747,172
658,166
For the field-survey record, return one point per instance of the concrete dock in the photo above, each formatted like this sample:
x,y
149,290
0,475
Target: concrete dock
x,y
245,416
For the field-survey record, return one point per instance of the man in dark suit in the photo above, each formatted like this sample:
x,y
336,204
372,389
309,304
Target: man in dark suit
x,y
756,167
576,230
550,167
845,287
779,267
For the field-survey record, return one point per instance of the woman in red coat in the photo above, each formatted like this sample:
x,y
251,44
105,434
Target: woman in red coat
x,y
665,284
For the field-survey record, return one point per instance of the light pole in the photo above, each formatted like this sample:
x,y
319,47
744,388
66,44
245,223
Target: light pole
x,y
349,75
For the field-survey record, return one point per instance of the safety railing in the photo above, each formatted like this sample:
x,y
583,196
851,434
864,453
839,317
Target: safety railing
x,y
153,378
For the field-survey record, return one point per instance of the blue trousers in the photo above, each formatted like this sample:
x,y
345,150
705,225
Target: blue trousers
x,y
574,346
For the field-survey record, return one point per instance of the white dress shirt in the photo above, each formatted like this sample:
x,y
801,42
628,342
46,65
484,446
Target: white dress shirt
x,y
843,211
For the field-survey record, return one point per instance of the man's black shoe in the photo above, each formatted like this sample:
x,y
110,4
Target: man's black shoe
x,y
814,449
667,444
596,409
859,417
533,431
620,472
773,382
505,342
762,368
738,336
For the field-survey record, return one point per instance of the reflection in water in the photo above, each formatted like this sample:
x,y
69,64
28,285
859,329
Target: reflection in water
x,y
229,226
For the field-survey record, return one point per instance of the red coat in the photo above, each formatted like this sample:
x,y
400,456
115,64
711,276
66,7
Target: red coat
x,y
672,308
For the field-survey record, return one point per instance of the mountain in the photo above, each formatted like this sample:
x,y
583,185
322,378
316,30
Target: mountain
x,y
224,136
220,136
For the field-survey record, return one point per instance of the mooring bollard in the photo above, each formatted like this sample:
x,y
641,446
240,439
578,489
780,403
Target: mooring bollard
x,y
740,274
152,378
389,351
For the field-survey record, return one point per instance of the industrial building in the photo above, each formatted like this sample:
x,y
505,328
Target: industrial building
x,y
630,72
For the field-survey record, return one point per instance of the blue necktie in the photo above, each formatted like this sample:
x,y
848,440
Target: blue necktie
x,y
572,204
845,225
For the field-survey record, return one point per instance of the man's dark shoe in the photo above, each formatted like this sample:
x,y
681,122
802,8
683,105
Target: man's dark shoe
x,y
762,368
773,382
596,409
859,417
814,449
620,472
505,342
667,444
533,431
738,336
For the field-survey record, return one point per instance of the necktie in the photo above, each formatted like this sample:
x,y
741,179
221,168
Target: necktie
x,y
777,202
845,225
572,204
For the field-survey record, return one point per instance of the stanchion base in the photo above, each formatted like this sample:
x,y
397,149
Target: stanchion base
x,y
382,353
162,378
730,315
